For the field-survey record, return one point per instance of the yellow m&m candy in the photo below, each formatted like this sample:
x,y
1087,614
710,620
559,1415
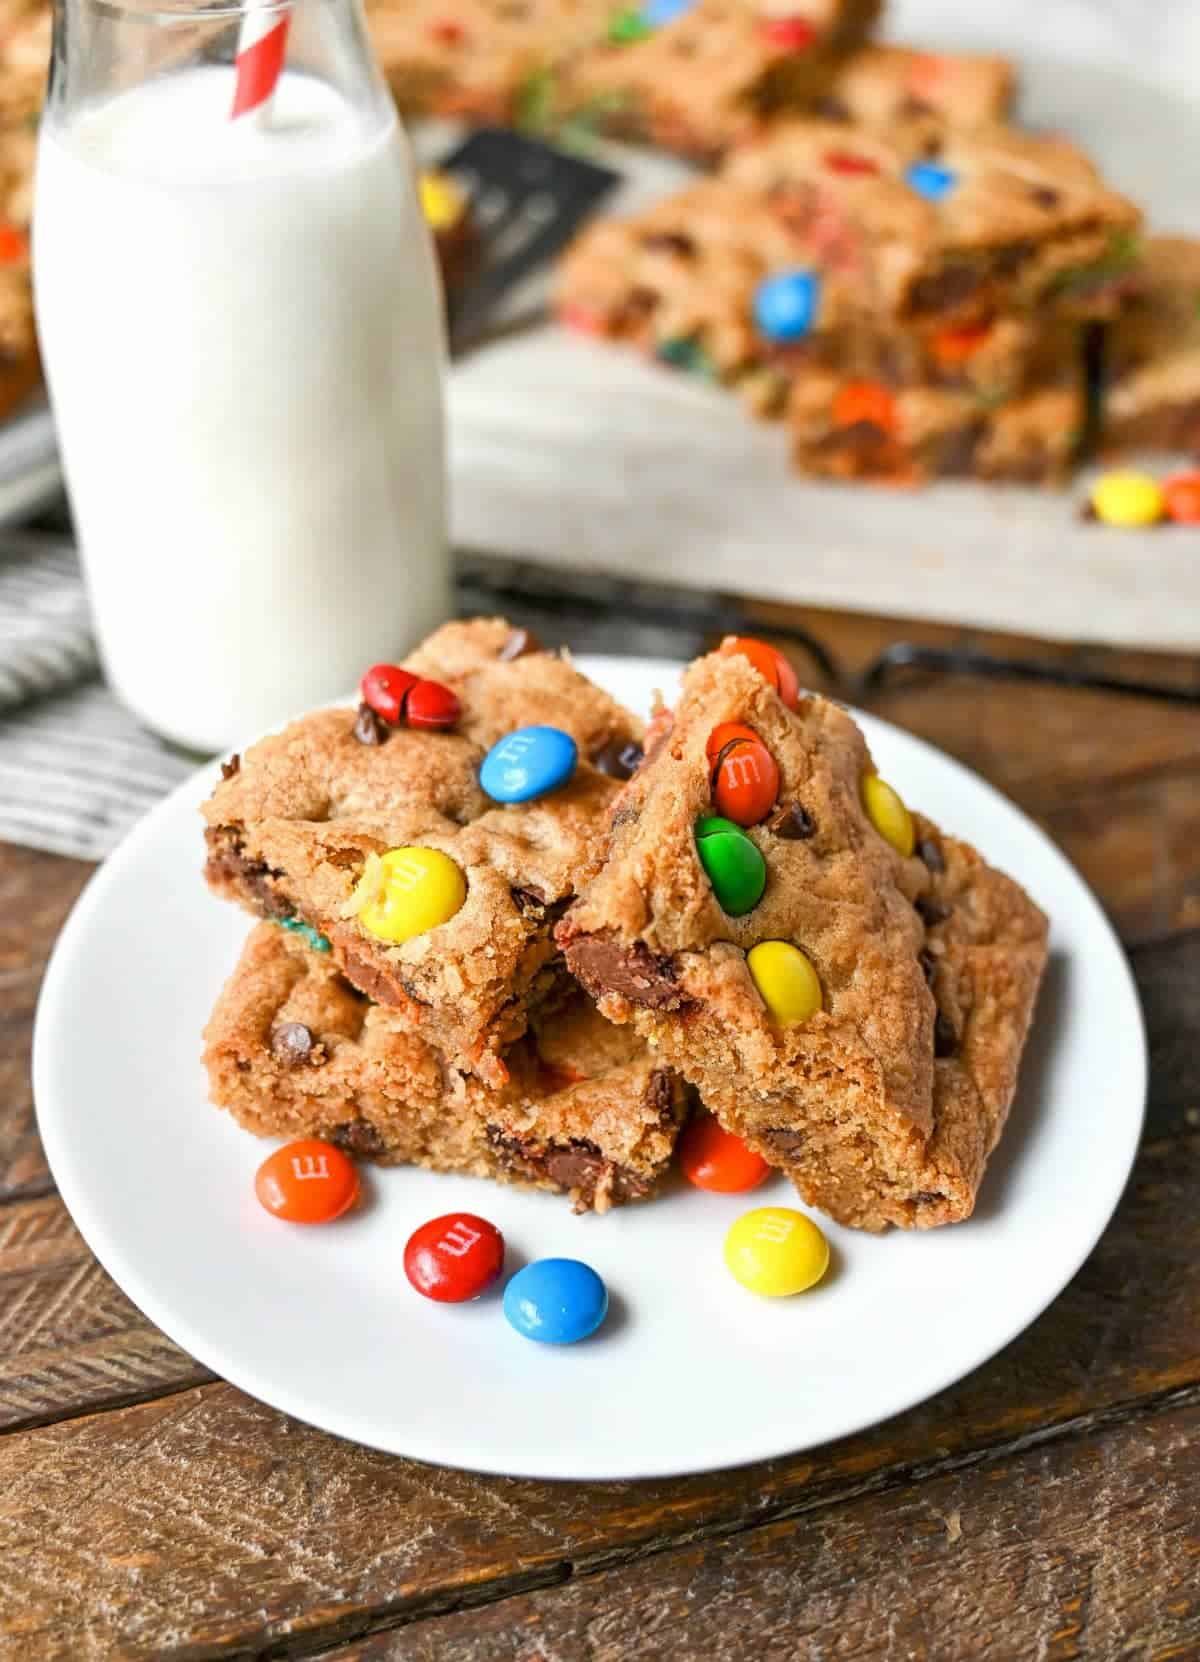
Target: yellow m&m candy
x,y
786,981
406,891
1128,499
775,1252
888,814
443,200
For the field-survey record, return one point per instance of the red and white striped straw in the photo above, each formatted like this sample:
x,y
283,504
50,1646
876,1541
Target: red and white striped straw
x,y
262,47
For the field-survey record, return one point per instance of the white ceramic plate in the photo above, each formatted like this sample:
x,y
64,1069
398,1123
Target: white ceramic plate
x,y
690,1371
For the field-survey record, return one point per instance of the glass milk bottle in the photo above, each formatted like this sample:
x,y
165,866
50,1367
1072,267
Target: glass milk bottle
x,y
239,318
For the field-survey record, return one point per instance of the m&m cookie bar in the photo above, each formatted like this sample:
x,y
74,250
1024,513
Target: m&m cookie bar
x,y
293,1050
697,76
847,429
729,283
879,86
848,989
1152,374
375,835
951,227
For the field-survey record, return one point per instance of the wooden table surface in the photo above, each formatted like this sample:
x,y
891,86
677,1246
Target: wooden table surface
x,y
1047,1506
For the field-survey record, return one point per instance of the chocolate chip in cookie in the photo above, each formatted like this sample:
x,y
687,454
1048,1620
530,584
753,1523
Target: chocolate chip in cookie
x,y
793,823
368,728
930,852
945,1036
292,1043
619,758
518,645
932,912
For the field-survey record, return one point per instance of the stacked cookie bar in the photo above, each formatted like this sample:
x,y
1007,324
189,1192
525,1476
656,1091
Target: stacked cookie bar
x,y
910,302
460,1043
848,988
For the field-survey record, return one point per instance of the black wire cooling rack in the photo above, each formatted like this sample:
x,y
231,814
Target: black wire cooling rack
x,y
608,614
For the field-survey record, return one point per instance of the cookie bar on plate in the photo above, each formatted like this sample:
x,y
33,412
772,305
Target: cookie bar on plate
x,y
1152,390
293,1050
697,77
878,86
848,993
942,228
300,828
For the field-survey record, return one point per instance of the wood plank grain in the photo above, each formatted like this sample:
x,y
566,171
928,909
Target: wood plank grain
x,y
208,1520
69,1338
1085,1549
36,893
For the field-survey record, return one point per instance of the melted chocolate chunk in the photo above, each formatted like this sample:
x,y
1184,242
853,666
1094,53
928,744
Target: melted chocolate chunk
x,y
786,1142
1047,198
358,1137
793,823
931,853
670,242
948,289
528,900
368,728
632,972
928,965
927,1197
520,643
945,1036
577,1164
228,863
293,1043
231,767
660,1095
619,758
932,912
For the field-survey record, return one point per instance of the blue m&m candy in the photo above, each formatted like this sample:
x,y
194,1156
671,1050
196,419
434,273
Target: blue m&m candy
x,y
556,1301
528,764
785,305
931,180
656,14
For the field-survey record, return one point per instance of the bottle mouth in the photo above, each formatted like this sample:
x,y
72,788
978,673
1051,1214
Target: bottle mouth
x,y
185,11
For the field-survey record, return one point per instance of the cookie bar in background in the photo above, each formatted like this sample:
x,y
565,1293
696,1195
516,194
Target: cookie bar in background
x,y
380,842
880,86
848,989
292,1050
696,76
1151,382
724,281
486,60
846,429
950,228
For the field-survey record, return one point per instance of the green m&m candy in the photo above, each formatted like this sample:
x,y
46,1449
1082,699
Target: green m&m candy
x,y
736,869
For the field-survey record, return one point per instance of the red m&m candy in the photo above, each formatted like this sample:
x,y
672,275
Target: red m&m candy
x,y
745,778
454,1258
384,688
431,705
847,163
714,1159
770,664
309,1181
795,34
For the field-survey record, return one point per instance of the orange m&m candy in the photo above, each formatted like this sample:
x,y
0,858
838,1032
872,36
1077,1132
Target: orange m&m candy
x,y
745,778
307,1182
952,347
770,664
714,1159
865,401
1181,495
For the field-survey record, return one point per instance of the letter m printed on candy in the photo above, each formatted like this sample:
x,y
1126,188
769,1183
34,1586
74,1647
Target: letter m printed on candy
x,y
310,1168
776,1230
459,1239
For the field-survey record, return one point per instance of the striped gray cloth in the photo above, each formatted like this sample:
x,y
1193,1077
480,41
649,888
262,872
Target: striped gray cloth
x,y
76,769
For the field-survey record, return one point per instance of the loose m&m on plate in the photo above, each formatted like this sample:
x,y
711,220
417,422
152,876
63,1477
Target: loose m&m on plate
x,y
454,1258
406,892
309,1181
776,1252
556,1301
528,764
